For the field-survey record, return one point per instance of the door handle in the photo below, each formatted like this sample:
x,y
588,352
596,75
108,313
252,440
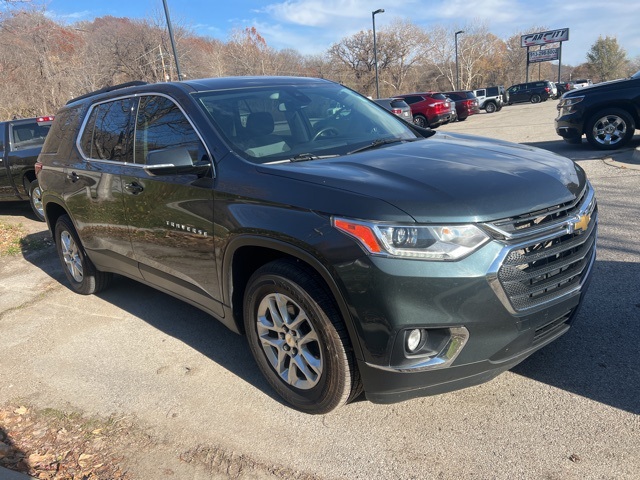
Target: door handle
x,y
73,176
134,188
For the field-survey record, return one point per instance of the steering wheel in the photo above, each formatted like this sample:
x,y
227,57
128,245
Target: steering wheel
x,y
324,131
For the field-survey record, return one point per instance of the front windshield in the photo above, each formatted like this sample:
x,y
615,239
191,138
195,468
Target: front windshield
x,y
300,122
636,75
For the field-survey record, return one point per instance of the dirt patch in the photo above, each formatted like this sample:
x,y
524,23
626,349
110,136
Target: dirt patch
x,y
20,234
50,444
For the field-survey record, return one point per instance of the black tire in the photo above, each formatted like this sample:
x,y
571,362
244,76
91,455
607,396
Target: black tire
x,y
284,304
79,269
609,129
421,121
491,107
35,199
499,108
535,98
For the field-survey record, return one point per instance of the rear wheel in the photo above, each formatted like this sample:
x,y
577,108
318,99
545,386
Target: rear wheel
x,y
298,339
490,107
35,199
609,129
82,274
535,98
420,121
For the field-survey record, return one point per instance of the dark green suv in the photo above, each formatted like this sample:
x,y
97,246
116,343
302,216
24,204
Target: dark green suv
x,y
355,251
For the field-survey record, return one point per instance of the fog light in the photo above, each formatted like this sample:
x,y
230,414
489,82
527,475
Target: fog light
x,y
414,339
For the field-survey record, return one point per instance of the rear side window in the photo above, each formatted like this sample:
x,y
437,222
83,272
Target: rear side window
x,y
28,135
106,134
438,96
161,125
413,99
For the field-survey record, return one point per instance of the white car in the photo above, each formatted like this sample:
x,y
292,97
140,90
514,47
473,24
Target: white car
x,y
584,82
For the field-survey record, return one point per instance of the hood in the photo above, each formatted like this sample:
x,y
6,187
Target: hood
x,y
610,85
452,178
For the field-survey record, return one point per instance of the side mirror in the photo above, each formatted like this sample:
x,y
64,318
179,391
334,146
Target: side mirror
x,y
174,160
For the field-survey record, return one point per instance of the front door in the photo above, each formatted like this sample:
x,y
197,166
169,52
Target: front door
x,y
170,216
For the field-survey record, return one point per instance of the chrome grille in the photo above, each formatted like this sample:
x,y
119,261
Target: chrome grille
x,y
549,254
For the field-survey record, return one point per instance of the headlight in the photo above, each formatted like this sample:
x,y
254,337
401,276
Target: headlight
x,y
424,242
570,101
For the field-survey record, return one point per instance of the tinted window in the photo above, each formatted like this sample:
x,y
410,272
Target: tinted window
x,y
161,125
413,99
106,134
399,104
66,123
28,135
438,96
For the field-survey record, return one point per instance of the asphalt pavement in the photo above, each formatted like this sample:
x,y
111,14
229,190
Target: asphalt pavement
x,y
571,411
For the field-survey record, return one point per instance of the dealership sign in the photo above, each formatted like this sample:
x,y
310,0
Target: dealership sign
x,y
543,38
546,55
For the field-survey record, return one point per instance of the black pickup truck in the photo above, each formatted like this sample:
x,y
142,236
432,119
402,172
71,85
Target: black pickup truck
x,y
20,144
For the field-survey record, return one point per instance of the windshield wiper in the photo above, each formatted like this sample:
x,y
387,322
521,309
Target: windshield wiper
x,y
381,141
303,157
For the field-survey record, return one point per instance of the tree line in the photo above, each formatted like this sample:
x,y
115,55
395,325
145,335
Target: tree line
x,y
45,63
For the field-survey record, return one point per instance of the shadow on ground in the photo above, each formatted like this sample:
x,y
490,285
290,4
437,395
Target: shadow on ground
x,y
584,151
599,357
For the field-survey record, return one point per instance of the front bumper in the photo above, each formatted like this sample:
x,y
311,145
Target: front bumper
x,y
479,295
569,124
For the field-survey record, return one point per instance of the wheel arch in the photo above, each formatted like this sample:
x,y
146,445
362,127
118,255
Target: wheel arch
x,y
245,254
53,211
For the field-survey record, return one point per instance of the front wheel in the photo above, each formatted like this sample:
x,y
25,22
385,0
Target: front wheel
x,y
535,98
298,339
82,274
35,199
609,129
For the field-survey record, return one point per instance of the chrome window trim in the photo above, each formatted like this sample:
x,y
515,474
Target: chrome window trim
x,y
137,96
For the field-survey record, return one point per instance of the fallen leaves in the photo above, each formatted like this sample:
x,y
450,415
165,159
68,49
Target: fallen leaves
x,y
54,445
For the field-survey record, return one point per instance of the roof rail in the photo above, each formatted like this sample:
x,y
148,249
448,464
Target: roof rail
x,y
135,83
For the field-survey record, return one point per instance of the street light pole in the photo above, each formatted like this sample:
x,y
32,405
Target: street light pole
x,y
375,53
457,69
173,42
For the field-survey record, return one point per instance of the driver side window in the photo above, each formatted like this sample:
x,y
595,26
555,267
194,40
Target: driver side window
x,y
161,125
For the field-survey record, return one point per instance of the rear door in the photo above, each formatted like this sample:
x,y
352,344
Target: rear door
x,y
170,213
92,188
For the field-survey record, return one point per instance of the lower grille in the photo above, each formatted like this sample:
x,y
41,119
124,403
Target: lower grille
x,y
551,327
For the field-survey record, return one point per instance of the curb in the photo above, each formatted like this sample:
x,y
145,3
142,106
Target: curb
x,y
628,159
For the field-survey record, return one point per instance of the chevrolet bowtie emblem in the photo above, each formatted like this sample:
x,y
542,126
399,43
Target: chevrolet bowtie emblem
x,y
582,223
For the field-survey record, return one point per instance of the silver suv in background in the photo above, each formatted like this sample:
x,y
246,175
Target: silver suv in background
x,y
491,99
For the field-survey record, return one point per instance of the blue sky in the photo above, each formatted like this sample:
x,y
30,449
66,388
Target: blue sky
x,y
312,26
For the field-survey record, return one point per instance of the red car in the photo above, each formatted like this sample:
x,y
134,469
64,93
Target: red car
x,y
466,103
429,109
